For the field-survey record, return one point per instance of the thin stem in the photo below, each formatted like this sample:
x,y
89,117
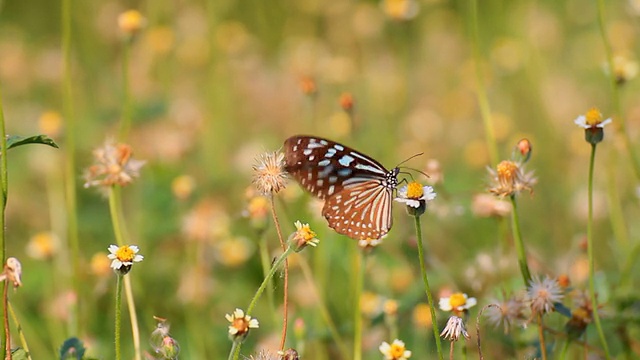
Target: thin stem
x,y
483,100
425,280
265,261
3,204
357,317
116,211
23,339
592,283
451,351
135,329
517,239
118,314
234,349
282,258
620,122
70,149
285,315
565,349
324,312
5,313
543,347
125,124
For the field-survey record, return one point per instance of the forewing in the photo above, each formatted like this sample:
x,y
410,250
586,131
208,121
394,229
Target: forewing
x,y
361,210
322,166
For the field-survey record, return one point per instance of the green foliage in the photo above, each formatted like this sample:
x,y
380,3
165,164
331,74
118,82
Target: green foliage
x,y
14,141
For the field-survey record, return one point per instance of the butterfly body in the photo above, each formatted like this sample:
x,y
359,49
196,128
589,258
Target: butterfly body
x,y
357,190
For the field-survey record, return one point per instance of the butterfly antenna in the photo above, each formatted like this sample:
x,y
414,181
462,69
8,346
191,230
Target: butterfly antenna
x,y
416,155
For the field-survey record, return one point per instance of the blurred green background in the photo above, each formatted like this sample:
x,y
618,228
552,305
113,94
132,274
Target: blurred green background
x,y
216,83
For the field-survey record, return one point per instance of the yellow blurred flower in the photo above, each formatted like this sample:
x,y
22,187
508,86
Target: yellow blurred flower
x,y
100,264
422,315
400,9
50,123
183,186
43,245
131,22
235,251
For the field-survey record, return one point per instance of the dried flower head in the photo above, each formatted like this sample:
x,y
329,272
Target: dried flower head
x,y
269,174
457,303
509,179
543,294
507,312
240,324
303,237
12,272
454,328
113,166
394,351
123,257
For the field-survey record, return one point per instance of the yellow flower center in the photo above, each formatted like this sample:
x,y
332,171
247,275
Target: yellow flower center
x,y
593,116
414,190
306,233
457,300
507,171
241,324
397,351
125,254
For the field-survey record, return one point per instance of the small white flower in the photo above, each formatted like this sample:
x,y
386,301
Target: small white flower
x,y
592,119
124,255
395,351
457,302
240,323
413,194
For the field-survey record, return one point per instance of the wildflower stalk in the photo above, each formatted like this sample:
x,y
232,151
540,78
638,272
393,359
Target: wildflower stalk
x,y
70,169
118,314
5,314
324,312
282,258
118,230
425,280
265,262
543,347
565,349
23,339
483,100
125,124
357,320
592,283
517,239
3,194
285,300
621,125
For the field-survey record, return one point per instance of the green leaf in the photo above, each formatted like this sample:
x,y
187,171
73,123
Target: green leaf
x,y
72,348
15,141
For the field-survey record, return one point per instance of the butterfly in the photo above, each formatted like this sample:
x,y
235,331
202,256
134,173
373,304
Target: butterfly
x,y
357,190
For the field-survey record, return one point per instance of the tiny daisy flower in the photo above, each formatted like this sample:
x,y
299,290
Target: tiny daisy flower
x,y
593,125
240,324
509,179
454,328
113,166
543,294
457,303
506,312
624,69
303,237
123,257
415,196
269,174
395,351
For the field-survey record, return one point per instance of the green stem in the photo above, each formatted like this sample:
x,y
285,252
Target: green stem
x,y
260,290
565,349
265,261
125,124
483,99
425,280
233,350
3,196
592,282
357,317
116,211
620,122
543,347
70,168
517,240
118,314
23,339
